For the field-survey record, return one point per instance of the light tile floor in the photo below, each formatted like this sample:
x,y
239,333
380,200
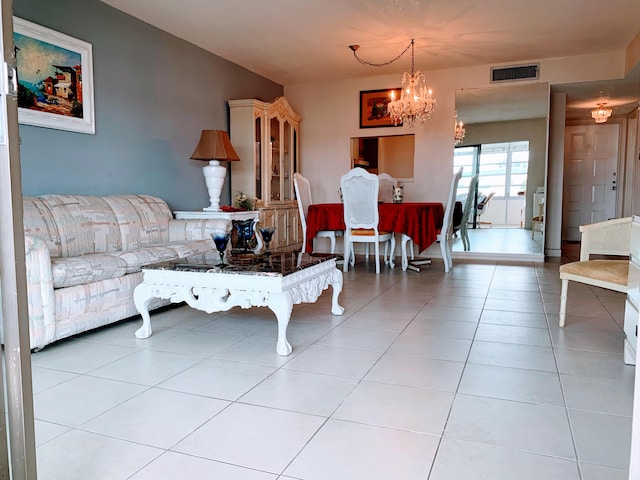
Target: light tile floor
x,y
426,376
496,239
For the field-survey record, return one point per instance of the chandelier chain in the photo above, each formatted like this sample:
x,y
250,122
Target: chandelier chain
x,y
384,64
411,56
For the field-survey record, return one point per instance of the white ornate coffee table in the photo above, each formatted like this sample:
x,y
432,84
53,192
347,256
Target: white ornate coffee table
x,y
275,282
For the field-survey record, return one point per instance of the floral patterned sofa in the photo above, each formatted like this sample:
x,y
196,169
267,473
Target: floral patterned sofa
x,y
84,256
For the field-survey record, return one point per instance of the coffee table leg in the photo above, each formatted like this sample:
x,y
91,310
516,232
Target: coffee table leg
x,y
141,298
335,280
282,305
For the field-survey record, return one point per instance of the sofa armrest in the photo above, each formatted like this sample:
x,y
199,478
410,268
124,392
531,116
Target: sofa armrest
x,y
196,229
40,292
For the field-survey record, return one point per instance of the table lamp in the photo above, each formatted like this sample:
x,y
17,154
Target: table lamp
x,y
214,146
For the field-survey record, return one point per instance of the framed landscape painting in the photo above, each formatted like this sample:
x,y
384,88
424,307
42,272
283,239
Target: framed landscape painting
x,y
55,78
373,108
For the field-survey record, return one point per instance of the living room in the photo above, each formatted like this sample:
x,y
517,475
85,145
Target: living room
x,y
155,93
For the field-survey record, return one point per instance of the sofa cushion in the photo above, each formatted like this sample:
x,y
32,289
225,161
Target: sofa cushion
x,y
39,222
72,225
193,247
143,219
72,271
138,258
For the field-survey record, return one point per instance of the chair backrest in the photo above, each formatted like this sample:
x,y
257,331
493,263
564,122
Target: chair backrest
x,y
538,206
482,207
303,194
447,220
611,237
360,197
468,203
387,186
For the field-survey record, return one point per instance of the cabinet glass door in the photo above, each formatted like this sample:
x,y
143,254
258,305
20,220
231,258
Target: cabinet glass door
x,y
294,152
258,156
276,161
286,163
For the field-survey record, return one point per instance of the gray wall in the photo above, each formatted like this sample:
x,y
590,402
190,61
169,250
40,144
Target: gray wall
x,y
154,94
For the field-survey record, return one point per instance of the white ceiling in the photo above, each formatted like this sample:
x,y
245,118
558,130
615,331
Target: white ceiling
x,y
299,41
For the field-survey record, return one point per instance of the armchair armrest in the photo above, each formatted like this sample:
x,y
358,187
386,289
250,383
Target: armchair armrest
x,y
41,298
195,229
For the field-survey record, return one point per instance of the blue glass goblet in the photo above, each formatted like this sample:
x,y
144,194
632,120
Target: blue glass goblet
x,y
267,235
221,241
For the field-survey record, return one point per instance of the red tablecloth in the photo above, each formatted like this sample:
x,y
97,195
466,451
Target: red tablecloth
x,y
421,221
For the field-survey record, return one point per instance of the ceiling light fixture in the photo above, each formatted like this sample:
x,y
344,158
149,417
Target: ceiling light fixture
x,y
459,131
416,102
602,113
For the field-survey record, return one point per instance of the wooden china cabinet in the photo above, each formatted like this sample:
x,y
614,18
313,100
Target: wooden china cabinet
x,y
266,137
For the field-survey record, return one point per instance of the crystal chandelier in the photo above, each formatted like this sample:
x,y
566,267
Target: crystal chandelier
x,y
601,114
459,131
416,102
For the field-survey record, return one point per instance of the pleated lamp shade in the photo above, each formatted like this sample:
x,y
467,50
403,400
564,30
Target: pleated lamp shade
x,y
214,145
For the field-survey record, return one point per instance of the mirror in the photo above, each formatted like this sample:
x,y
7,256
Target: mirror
x,y
392,154
506,143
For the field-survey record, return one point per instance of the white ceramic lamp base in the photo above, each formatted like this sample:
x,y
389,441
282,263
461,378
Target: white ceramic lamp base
x,y
214,174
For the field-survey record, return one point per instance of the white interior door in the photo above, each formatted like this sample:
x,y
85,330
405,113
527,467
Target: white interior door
x,y
590,176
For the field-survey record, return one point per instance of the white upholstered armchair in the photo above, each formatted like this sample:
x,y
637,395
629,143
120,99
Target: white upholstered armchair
x,y
608,238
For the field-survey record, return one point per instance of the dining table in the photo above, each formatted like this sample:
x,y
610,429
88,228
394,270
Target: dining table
x,y
421,221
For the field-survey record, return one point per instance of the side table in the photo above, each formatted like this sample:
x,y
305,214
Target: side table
x,y
183,215
246,215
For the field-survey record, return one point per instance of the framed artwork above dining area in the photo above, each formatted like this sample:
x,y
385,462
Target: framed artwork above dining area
x,y
373,108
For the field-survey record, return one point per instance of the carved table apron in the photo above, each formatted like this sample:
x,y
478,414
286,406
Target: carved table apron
x,y
219,290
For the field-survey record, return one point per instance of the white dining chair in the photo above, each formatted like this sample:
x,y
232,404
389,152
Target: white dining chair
x,y
445,236
361,217
466,210
303,194
538,209
483,206
387,187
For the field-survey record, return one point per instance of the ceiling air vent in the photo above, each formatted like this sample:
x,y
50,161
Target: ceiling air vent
x,y
515,73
